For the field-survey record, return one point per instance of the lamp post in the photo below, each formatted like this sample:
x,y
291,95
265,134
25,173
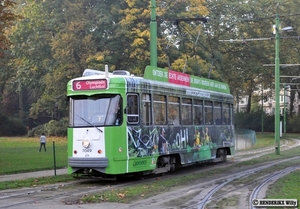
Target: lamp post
x,y
277,76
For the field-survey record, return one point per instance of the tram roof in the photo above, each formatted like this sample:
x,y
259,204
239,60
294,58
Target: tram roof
x,y
165,76
183,79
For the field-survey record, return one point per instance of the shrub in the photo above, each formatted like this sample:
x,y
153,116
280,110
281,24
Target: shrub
x,y
11,127
52,128
292,125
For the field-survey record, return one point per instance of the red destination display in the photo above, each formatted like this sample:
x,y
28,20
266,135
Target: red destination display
x,y
90,84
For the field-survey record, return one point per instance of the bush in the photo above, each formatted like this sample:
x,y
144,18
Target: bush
x,y
253,121
52,128
11,127
292,125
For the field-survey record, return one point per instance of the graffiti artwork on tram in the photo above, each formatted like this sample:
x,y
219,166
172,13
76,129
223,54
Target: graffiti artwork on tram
x,y
192,143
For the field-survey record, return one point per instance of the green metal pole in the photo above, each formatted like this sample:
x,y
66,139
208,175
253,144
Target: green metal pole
x,y
284,114
54,158
153,35
262,109
277,76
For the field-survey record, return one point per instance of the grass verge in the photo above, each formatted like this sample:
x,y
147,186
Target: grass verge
x,y
20,154
34,182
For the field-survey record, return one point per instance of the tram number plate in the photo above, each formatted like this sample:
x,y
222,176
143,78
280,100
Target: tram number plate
x,y
86,150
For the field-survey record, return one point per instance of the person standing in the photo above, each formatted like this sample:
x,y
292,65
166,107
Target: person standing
x,y
42,142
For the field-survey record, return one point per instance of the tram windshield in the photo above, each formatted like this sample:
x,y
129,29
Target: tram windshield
x,y
96,110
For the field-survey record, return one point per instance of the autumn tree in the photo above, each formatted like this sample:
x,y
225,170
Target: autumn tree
x,y
7,18
246,23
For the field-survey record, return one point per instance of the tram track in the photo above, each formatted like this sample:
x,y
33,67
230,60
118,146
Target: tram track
x,y
207,197
66,193
205,193
256,193
202,194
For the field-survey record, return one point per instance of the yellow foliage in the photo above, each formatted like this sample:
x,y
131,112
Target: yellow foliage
x,y
138,42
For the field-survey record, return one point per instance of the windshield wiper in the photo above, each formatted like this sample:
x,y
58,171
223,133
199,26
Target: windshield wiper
x,y
89,123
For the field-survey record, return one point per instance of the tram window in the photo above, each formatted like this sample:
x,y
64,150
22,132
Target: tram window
x,y
173,111
71,117
226,114
208,112
114,113
217,113
159,109
132,108
198,112
231,118
186,109
96,110
146,101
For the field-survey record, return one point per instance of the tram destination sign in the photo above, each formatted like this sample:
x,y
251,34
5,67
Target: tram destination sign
x,y
174,77
90,84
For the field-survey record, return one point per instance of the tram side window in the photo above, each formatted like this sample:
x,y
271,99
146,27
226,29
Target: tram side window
x,y
198,112
173,111
132,108
159,109
71,117
217,113
146,100
226,114
231,113
208,112
186,111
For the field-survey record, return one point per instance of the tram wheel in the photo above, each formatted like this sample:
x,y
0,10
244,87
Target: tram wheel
x,y
172,167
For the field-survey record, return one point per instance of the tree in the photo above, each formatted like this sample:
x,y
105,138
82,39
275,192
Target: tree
x,y
242,62
7,18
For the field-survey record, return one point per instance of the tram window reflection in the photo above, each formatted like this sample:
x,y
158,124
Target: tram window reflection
x,y
226,114
173,111
186,111
159,108
208,109
217,113
146,100
198,112
132,108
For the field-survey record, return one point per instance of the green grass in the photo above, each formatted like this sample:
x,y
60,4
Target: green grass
x,y
286,187
21,154
33,182
264,140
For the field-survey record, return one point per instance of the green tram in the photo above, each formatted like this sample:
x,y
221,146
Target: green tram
x,y
120,124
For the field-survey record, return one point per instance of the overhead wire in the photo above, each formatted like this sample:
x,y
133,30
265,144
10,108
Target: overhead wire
x,y
209,40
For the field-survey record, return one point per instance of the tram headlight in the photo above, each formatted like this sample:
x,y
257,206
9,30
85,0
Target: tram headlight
x,y
86,143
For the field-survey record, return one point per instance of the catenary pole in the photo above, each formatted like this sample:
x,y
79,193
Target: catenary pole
x,y
153,35
277,76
